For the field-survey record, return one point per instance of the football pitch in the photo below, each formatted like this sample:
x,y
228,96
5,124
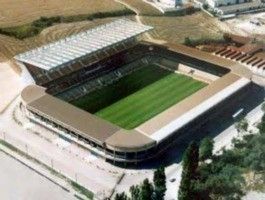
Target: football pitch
x,y
139,96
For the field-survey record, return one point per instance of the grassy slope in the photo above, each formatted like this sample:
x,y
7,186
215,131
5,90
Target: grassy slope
x,y
139,96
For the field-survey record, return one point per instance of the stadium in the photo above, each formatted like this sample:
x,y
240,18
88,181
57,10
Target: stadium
x,y
124,98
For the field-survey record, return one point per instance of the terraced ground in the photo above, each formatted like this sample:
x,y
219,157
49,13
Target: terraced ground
x,y
139,96
175,29
13,12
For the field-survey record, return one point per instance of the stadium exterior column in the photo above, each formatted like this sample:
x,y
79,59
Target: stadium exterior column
x,y
114,156
136,158
105,151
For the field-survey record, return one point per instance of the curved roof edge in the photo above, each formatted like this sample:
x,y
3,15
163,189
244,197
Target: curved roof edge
x,y
87,125
32,93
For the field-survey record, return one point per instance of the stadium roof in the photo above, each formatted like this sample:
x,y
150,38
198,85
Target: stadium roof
x,y
66,50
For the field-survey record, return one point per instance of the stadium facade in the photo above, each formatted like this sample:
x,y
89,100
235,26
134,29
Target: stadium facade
x,y
70,68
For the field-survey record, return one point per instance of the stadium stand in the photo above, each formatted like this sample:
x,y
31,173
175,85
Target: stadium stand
x,y
92,63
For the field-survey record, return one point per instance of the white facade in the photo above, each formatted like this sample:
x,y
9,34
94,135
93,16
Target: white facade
x,y
218,3
170,3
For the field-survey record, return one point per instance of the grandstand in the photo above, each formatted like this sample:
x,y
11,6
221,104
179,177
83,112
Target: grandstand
x,y
125,99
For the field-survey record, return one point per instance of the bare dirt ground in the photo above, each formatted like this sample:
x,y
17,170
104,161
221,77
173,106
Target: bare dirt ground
x,y
175,29
13,12
141,7
252,25
10,85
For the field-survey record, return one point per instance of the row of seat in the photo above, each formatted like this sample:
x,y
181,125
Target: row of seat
x,y
89,86
252,61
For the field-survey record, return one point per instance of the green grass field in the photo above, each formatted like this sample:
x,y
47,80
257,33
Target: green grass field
x,y
139,96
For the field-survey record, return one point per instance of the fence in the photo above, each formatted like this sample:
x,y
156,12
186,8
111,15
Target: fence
x,y
55,164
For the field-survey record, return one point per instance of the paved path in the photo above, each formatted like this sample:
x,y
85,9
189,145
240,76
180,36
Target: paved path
x,y
18,182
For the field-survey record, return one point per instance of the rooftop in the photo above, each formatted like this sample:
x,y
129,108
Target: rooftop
x,y
66,50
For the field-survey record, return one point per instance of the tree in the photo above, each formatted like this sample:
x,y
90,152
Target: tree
x,y
205,6
121,196
261,125
159,180
147,190
190,159
135,192
206,149
263,107
242,126
188,41
190,164
226,184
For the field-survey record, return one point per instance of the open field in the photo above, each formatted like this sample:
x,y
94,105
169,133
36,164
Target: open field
x,y
176,29
13,12
139,96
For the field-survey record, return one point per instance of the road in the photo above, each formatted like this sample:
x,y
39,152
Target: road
x,y
19,182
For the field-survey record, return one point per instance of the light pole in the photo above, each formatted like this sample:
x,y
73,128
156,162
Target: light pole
x,y
26,146
4,136
76,177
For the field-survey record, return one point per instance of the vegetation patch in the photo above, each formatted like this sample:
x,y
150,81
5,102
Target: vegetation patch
x,y
230,173
82,190
35,27
204,41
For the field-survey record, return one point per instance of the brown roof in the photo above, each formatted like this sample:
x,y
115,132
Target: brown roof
x,y
130,141
82,122
31,93
72,117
